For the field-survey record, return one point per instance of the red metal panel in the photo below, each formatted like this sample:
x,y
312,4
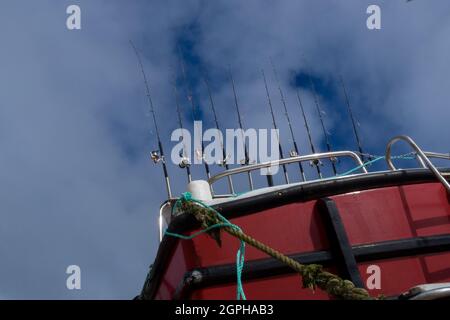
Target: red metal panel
x,y
291,229
183,259
395,212
397,275
400,274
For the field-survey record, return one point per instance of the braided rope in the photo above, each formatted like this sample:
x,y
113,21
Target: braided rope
x,y
221,222
313,275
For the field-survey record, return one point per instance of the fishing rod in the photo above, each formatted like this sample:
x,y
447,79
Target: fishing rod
x,y
350,111
246,160
316,162
325,132
184,163
274,123
190,97
224,154
157,155
316,101
296,150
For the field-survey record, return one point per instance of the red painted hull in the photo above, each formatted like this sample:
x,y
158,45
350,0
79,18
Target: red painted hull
x,y
373,216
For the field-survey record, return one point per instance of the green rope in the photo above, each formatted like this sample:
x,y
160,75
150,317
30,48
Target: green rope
x,y
240,255
406,156
313,275
192,236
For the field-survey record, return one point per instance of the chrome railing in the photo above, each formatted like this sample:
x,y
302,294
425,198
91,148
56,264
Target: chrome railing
x,y
164,218
423,158
266,165
431,291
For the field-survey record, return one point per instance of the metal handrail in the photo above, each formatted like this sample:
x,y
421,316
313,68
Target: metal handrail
x,y
163,221
422,157
437,155
268,164
436,294
431,291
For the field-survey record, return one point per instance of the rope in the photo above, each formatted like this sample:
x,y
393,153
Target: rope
x,y
313,275
221,222
406,156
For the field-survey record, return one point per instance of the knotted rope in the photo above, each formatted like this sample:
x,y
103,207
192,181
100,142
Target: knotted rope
x,y
220,222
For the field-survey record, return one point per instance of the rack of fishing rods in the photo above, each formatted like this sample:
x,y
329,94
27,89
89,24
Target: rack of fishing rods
x,y
158,156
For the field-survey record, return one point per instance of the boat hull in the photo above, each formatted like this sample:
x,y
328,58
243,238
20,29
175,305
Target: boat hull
x,y
386,237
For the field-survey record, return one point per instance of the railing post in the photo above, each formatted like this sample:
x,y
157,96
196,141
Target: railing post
x,y
423,159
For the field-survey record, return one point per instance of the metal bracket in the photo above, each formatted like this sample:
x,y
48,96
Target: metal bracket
x,y
340,246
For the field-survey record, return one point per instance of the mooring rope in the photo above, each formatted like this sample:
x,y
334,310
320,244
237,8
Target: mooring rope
x,y
313,275
223,223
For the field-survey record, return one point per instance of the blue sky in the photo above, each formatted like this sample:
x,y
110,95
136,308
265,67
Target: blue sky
x,y
77,185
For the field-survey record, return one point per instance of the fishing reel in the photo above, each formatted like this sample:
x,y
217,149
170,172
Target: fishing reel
x,y
246,162
316,163
184,162
293,153
223,163
156,157
334,159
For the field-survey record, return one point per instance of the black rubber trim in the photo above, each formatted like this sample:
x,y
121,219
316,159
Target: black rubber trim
x,y
270,267
340,246
300,193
